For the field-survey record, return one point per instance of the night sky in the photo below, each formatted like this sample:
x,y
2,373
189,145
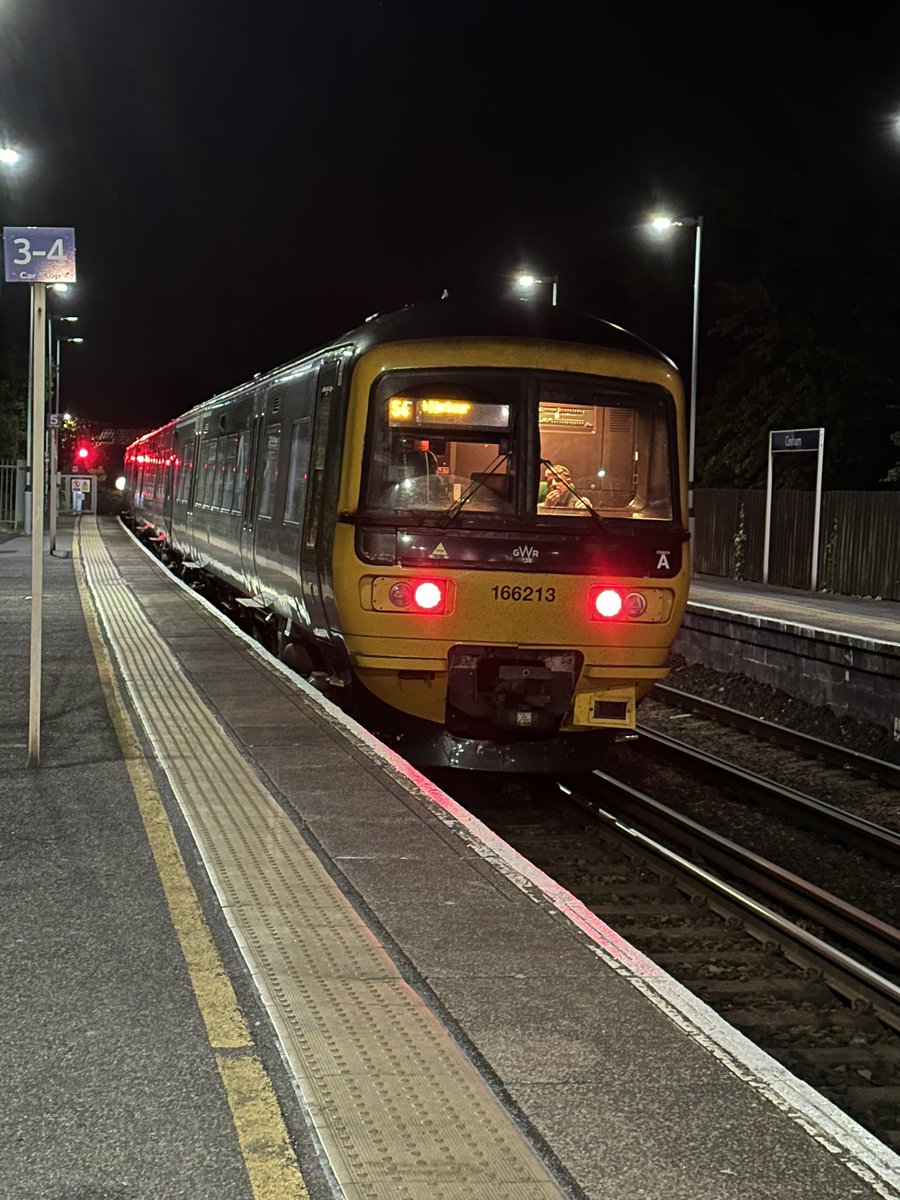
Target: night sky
x,y
249,180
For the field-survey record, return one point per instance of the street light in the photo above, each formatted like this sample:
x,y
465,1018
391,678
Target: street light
x,y
8,156
662,224
525,281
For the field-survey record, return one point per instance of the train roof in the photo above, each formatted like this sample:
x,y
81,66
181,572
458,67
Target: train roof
x,y
462,319
510,318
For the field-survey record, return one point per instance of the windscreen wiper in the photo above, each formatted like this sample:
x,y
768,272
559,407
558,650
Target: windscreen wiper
x,y
457,506
583,501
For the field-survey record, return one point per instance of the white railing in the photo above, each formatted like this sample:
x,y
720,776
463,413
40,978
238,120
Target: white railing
x,y
12,489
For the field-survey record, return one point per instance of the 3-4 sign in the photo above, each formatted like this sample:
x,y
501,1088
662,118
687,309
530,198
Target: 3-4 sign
x,y
34,254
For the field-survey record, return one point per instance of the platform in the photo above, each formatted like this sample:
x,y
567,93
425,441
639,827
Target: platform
x,y
392,1003
838,652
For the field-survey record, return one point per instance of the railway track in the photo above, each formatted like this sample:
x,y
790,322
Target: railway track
x,y
807,977
814,748
729,879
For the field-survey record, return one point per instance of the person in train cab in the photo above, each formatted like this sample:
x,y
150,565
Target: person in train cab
x,y
560,489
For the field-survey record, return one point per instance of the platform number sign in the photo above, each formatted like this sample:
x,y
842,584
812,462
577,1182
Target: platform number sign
x,y
35,254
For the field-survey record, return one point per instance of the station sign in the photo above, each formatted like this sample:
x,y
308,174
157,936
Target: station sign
x,y
38,254
781,440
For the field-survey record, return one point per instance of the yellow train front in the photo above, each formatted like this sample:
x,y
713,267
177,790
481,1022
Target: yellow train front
x,y
468,523
509,560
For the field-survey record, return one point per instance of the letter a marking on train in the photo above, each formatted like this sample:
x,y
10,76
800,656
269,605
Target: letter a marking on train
x,y
439,551
662,560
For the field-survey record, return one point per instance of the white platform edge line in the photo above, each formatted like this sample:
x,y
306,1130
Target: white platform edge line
x,y
860,1151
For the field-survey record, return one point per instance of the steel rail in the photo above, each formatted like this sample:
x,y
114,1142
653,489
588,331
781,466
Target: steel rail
x,y
838,756
866,934
876,840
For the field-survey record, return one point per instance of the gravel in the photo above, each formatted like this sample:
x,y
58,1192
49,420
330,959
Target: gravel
x,y
760,700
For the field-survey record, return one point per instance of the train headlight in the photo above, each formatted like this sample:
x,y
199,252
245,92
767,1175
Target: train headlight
x,y
401,595
608,604
634,605
412,595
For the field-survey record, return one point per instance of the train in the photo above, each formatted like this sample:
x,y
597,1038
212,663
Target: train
x,y
466,523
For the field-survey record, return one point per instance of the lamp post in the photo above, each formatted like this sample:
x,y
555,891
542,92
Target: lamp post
x,y
525,281
54,433
663,224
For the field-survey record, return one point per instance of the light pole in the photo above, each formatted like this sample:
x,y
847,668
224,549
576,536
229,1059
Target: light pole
x,y
525,281
54,433
663,224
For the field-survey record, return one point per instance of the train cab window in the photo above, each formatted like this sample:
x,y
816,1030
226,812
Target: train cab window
x,y
269,476
605,452
439,443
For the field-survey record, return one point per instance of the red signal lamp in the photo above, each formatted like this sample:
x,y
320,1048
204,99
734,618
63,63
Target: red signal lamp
x,y
84,452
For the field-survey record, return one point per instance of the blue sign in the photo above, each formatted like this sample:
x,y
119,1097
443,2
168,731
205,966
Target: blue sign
x,y
39,255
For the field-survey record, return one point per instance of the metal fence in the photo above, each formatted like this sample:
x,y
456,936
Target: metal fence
x,y
12,485
859,539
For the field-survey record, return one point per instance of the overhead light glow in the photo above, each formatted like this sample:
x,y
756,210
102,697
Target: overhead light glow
x,y
8,156
526,281
120,483
661,224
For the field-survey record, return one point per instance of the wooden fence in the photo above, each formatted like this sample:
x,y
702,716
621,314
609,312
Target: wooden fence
x,y
859,539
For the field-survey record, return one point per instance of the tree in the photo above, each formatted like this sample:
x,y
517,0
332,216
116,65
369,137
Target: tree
x,y
13,415
809,339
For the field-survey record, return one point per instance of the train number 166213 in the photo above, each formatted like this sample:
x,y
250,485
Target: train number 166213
x,y
506,592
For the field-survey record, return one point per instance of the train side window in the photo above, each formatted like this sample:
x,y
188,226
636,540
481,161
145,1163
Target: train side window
x,y
269,472
298,469
203,480
240,474
184,476
229,461
219,473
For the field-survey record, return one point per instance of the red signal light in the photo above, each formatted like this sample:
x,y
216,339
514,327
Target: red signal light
x,y
84,453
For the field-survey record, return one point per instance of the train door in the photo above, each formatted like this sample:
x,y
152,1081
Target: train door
x,y
170,468
251,497
318,525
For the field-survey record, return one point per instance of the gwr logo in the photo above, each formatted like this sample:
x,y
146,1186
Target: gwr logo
x,y
526,554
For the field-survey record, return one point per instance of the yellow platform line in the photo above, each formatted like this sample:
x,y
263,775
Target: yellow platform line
x,y
262,1136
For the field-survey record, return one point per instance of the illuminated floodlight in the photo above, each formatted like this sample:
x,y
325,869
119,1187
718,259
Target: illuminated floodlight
x,y
59,287
661,224
120,484
526,281
8,156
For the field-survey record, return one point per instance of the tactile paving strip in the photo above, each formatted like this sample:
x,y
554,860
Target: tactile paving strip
x,y
399,1111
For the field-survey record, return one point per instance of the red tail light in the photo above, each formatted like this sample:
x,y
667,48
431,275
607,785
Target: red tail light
x,y
610,604
430,596
604,604
416,595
